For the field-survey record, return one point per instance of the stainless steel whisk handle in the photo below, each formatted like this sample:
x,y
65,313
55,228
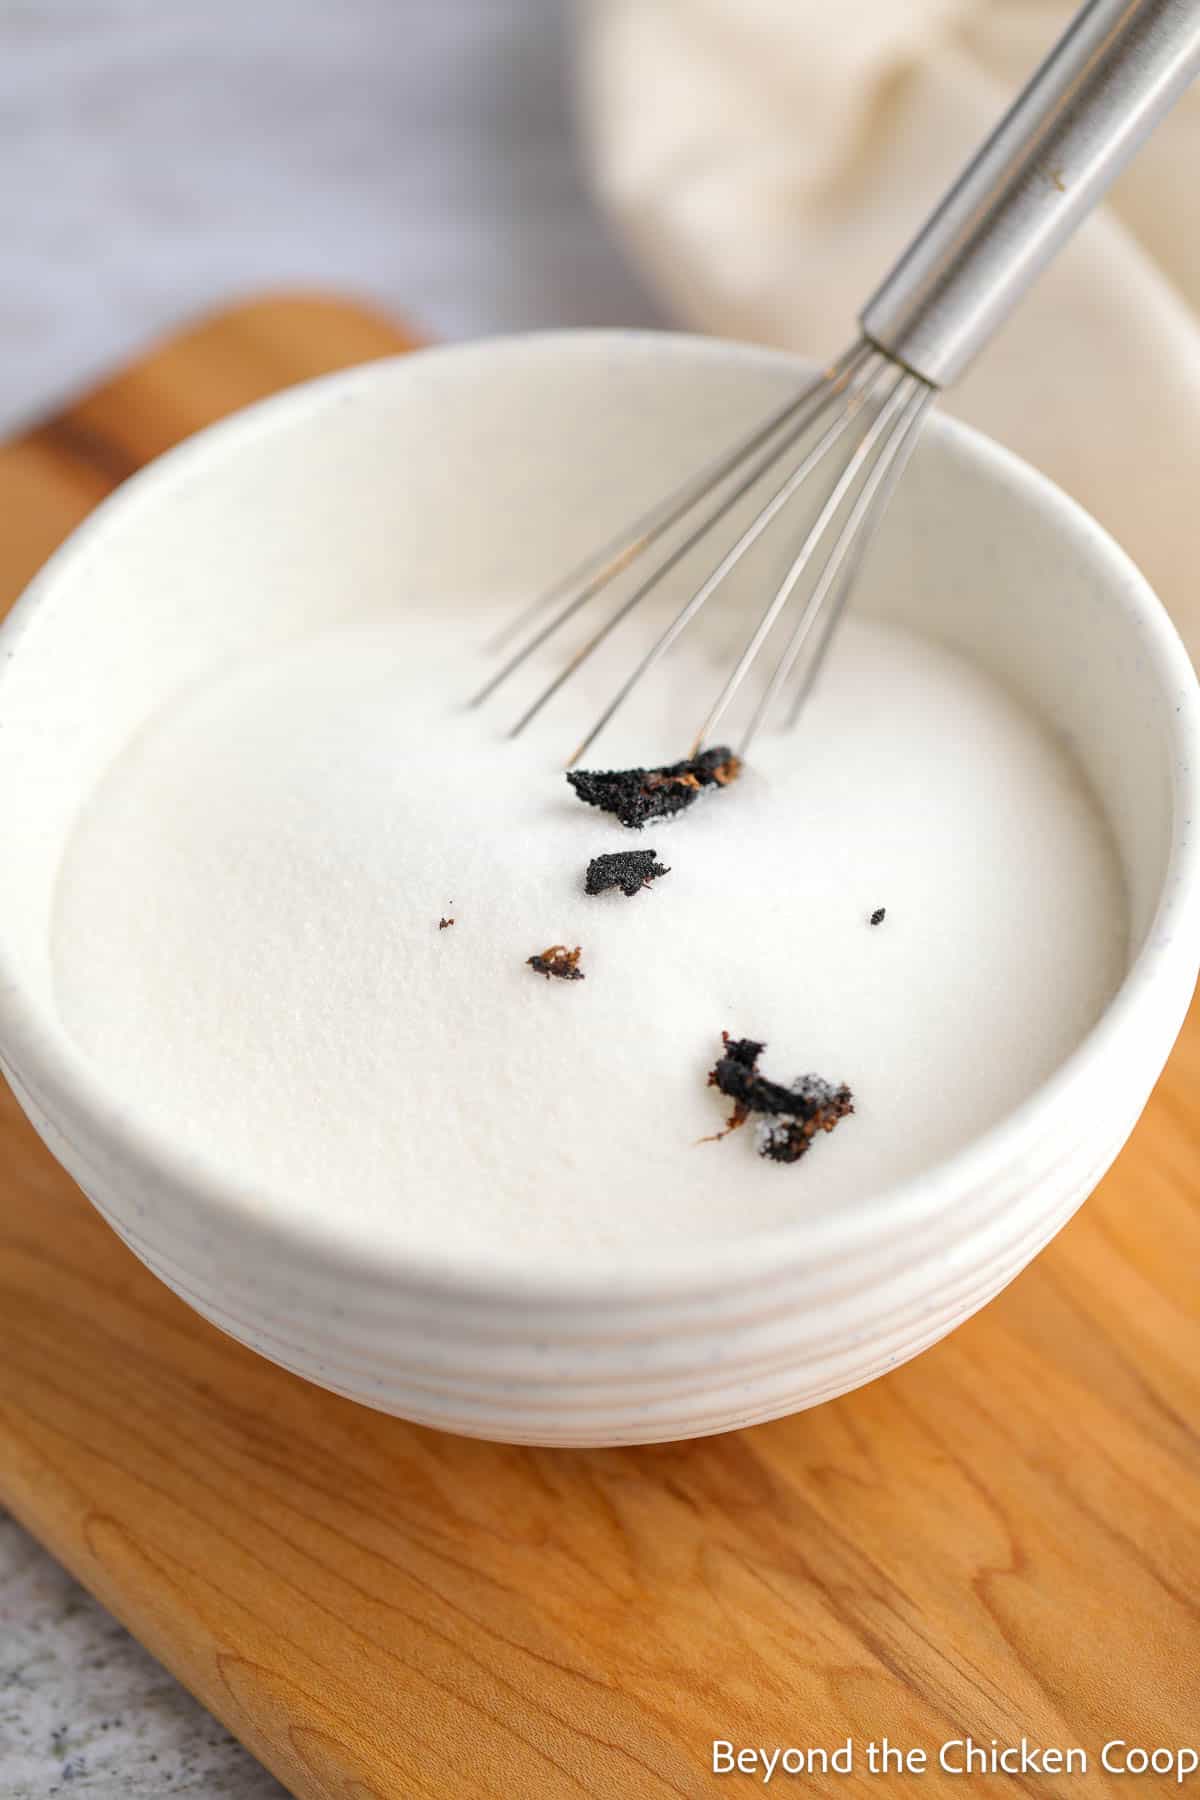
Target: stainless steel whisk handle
x,y
1118,68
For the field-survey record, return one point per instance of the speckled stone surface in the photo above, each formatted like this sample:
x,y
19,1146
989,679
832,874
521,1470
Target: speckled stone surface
x,y
86,1712
159,160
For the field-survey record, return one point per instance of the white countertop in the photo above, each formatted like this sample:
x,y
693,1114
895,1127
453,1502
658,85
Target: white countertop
x,y
85,1711
158,159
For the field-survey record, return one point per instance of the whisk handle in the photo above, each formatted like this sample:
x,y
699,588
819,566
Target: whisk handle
x,y
1116,71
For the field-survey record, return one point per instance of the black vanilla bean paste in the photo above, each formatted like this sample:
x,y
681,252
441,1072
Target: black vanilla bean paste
x,y
792,1116
629,870
635,796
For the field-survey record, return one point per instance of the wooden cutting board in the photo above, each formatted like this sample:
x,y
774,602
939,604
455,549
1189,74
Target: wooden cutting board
x,y
1001,1539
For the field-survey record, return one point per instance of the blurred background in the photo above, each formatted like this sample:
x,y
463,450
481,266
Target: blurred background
x,y
749,167
155,159
474,166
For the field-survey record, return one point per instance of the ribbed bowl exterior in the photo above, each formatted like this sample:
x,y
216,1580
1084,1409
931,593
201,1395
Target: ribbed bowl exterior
x,y
624,1366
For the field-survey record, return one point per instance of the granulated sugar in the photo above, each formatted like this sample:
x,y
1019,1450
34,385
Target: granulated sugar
x,y
247,939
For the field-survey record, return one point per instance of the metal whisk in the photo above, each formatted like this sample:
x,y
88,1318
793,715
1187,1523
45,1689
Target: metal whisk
x,y
1107,83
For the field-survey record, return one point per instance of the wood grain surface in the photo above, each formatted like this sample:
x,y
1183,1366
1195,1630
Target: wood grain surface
x,y
1001,1539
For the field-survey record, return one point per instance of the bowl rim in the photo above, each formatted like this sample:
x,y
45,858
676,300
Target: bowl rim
x,y
83,1105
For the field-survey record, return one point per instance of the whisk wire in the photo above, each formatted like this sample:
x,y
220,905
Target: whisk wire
x,y
878,372
783,593
837,578
865,397
798,429
590,577
1112,76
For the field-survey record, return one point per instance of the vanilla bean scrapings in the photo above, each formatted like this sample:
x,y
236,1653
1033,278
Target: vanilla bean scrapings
x,y
792,1116
558,961
636,795
629,870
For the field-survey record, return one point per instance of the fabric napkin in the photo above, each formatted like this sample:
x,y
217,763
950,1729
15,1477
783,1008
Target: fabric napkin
x,y
768,159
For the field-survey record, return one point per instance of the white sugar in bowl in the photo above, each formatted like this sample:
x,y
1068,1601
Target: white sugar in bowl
x,y
495,465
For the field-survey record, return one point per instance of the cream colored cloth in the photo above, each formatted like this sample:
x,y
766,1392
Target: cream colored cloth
x,y
768,159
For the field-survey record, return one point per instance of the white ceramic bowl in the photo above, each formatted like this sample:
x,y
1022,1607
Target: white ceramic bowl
x,y
301,510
